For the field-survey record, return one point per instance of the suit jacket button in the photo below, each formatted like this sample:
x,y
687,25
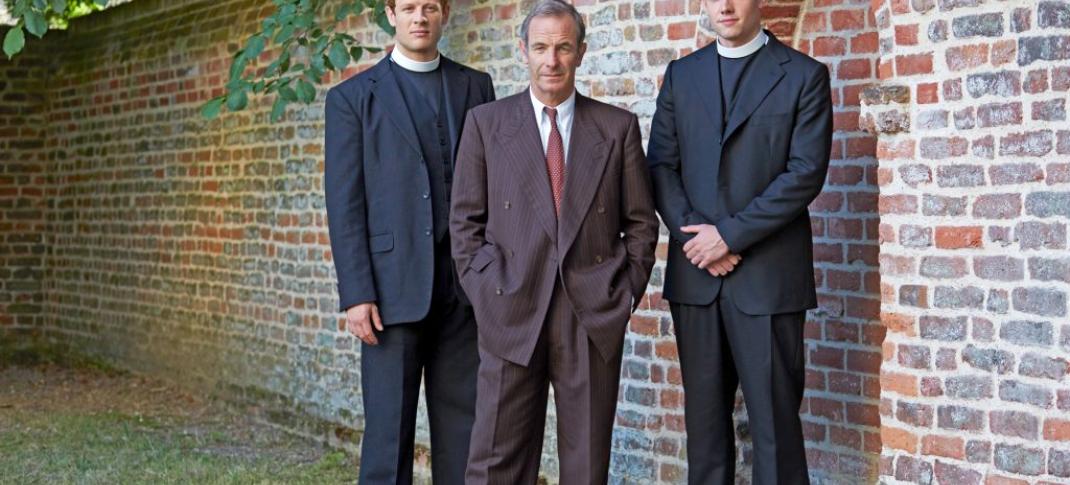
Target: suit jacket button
x,y
427,232
507,205
426,195
498,291
601,209
598,259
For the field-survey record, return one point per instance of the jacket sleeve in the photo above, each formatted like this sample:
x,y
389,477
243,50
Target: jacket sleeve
x,y
640,223
343,185
468,210
793,190
663,160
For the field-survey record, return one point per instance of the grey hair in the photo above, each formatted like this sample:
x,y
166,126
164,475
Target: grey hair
x,y
553,8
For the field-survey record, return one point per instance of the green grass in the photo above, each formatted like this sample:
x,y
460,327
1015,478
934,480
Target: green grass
x,y
110,448
79,422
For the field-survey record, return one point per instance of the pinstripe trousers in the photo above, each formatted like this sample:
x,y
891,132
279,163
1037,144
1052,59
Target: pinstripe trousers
x,y
511,406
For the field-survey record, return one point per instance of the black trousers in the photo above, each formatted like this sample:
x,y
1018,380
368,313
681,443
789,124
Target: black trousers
x,y
720,348
442,351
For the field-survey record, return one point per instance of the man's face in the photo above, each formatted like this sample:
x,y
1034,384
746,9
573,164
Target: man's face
x,y
552,54
734,21
419,26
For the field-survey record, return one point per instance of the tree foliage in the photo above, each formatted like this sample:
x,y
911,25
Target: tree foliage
x,y
38,16
302,46
305,49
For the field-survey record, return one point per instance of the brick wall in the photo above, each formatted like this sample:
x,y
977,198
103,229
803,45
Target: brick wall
x,y
197,249
22,192
974,172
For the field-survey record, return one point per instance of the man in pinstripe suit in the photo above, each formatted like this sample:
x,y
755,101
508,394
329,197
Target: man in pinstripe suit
x,y
554,248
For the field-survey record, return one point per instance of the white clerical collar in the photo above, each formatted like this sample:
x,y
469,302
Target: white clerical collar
x,y
411,65
564,109
744,50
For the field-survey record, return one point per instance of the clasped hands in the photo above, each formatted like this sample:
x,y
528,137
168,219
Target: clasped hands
x,y
708,251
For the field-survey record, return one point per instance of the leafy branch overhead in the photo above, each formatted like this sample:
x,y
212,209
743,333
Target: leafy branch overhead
x,y
37,16
306,52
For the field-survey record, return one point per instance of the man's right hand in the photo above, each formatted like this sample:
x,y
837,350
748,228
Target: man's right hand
x,y
725,265
360,319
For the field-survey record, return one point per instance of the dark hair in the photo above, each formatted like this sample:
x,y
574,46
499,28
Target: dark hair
x,y
554,8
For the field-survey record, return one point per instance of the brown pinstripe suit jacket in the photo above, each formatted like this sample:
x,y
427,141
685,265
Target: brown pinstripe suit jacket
x,y
509,245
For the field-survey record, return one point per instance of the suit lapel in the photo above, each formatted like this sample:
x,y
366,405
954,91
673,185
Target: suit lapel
x,y
583,171
386,87
524,146
762,78
708,84
455,89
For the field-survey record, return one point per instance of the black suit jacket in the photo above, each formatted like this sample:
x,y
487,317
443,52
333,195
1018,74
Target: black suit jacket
x,y
753,179
378,188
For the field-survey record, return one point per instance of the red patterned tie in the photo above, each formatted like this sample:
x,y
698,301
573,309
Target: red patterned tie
x,y
555,159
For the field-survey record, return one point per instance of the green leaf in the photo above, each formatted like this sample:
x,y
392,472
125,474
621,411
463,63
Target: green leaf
x,y
284,62
287,93
101,3
59,6
342,13
278,109
373,50
40,4
356,52
36,23
338,56
14,41
211,108
236,100
237,67
253,47
383,22
305,91
284,34
305,20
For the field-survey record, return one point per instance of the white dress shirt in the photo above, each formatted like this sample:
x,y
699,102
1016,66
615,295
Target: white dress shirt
x,y
564,121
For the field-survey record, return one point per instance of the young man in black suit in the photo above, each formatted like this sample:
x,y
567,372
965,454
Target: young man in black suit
x,y
391,136
739,147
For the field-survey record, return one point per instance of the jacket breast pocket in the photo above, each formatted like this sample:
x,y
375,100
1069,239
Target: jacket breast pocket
x,y
381,243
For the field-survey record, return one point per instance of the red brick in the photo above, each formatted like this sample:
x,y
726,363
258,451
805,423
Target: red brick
x,y
899,383
848,19
927,93
829,46
681,30
948,237
854,69
1056,429
913,64
898,204
644,325
814,22
669,8
966,57
906,34
947,446
506,12
899,439
865,43
1004,52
